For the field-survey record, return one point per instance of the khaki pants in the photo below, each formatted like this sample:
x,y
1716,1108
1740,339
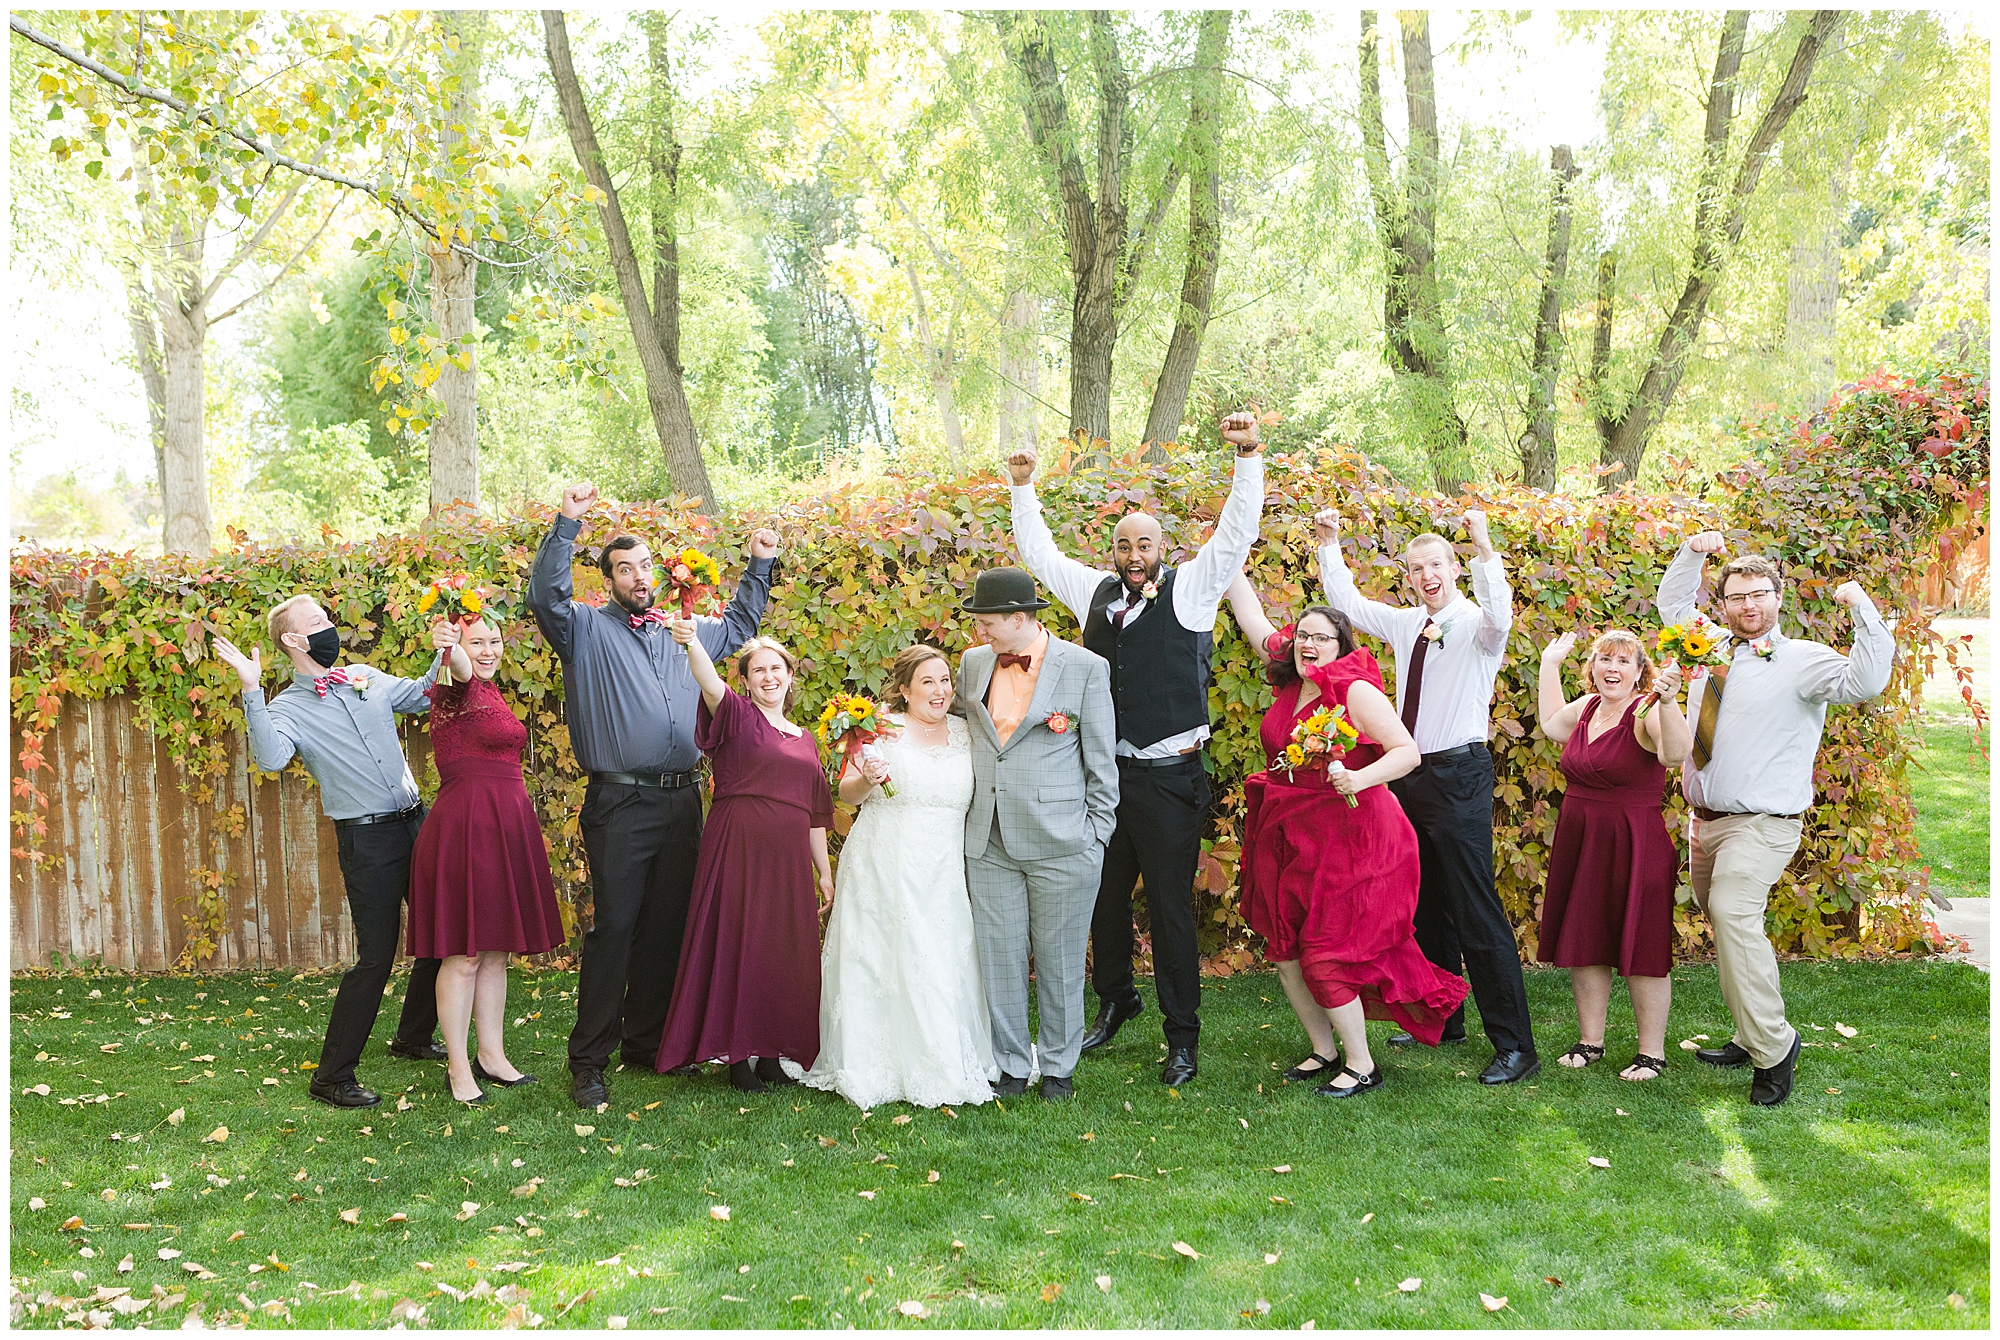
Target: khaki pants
x,y
1733,863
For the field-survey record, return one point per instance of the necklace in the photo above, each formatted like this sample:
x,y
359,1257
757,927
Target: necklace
x,y
926,733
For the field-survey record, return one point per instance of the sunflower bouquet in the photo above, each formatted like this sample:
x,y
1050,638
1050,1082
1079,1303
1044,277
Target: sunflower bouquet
x,y
1317,742
848,726
462,603
1699,641
692,576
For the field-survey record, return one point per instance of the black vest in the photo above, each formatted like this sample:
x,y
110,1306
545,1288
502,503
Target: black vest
x,y
1159,670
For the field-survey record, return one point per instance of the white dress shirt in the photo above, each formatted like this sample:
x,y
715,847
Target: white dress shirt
x,y
1459,668
1198,590
1773,711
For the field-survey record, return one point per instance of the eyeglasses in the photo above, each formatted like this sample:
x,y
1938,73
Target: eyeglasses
x,y
1744,597
1316,639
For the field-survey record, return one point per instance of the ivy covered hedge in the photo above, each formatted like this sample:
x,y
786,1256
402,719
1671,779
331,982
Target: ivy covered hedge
x,y
1869,488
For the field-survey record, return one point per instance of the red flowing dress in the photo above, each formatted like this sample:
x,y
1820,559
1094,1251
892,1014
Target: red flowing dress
x,y
1335,886
748,983
479,876
1609,901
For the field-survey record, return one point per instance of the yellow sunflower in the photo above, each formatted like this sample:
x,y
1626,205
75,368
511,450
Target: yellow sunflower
x,y
1294,755
426,600
1696,644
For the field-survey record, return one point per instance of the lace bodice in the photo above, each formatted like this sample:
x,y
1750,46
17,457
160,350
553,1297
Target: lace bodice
x,y
926,776
474,721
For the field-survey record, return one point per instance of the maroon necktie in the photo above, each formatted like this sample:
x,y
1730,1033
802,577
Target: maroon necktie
x,y
1007,658
1416,679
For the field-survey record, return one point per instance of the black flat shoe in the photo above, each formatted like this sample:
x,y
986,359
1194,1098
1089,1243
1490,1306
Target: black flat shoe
x,y
744,1080
586,1088
692,1070
1510,1068
772,1073
347,1093
480,1098
485,1076
1728,1056
1181,1067
1362,1083
416,1051
1011,1086
1111,1018
1772,1085
1298,1074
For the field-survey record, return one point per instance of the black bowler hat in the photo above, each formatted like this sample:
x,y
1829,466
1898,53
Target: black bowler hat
x,y
1004,591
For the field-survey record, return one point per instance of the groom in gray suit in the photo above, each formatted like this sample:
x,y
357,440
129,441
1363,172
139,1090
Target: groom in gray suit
x,y
1044,804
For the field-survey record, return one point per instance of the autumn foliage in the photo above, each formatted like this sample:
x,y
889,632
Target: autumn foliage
x,y
1873,487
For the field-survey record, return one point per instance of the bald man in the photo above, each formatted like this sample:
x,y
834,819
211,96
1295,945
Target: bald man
x,y
1155,626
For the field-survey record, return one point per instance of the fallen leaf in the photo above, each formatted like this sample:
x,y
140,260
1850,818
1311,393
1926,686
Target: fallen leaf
x,y
407,1309
1078,1195
1309,1325
1279,1200
1411,1285
1597,1162
910,1307
719,1212
931,1176
1366,1217
1263,1307
169,1253
402,1102
525,1190
1833,1091
1551,1279
1844,1030
125,1266
1957,1301
354,1216
1271,1258
37,1203
1621,1111
1492,1304
1187,1251
617,1260
239,1233
1051,1292
614,1323
865,1195
1690,1045
216,1136
1244,1124
397,1218
177,1116
1282,1168
466,1209
111,1046
904,1119
74,1221
1104,1284
827,1142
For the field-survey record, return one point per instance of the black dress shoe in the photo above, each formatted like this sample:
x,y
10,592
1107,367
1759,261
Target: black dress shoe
x,y
1180,1067
1362,1083
1011,1087
1772,1085
480,1098
692,1070
772,1073
1508,1067
485,1076
586,1087
1404,1038
1055,1088
744,1080
425,1050
1728,1056
1111,1018
347,1093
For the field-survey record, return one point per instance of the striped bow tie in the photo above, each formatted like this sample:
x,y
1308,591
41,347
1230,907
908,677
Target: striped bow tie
x,y
638,621
331,677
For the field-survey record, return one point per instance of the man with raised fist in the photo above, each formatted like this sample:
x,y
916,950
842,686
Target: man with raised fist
x,y
630,698
1155,625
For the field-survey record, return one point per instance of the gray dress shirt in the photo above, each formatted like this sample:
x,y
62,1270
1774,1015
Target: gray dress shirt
x,y
347,741
629,694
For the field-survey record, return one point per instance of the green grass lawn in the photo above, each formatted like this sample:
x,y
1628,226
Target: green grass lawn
x,y
1950,784
1862,1202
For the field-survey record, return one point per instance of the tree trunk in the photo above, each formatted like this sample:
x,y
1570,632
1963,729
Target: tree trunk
x,y
1605,407
938,361
1538,446
665,395
183,320
1718,224
1203,157
140,317
1020,374
663,161
454,434
1812,286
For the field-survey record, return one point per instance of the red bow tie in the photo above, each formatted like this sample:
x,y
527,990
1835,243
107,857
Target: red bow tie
x,y
653,615
320,682
1008,658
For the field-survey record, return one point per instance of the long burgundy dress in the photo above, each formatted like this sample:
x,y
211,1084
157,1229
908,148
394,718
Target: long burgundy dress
x,y
1335,886
748,983
479,877
1609,901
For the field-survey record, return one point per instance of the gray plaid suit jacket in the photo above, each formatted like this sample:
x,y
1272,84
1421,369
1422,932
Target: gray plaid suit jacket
x,y
1056,793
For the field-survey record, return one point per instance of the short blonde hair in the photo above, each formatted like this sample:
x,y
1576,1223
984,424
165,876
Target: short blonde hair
x,y
757,644
1430,537
1620,639
279,621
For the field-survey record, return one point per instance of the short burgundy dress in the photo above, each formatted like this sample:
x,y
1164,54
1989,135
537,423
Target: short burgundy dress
x,y
1335,886
1609,901
748,983
479,877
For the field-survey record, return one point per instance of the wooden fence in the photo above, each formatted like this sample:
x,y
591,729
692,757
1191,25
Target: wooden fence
x,y
131,849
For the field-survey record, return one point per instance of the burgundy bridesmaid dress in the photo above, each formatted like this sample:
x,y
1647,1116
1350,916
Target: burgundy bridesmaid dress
x,y
479,876
1609,901
748,983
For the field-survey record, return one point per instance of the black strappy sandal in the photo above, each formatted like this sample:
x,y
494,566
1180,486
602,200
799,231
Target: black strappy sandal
x,y
1298,1073
1641,1061
1586,1051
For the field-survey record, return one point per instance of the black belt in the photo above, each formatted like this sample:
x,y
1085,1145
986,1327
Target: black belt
x,y
1131,761
670,781
399,816
1710,816
1458,752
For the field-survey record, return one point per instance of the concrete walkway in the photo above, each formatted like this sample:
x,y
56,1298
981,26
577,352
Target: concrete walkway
x,y
1968,917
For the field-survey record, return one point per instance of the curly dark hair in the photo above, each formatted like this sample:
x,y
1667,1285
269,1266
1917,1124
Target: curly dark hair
x,y
1282,671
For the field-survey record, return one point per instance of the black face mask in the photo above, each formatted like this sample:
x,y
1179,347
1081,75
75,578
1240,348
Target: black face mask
x,y
323,647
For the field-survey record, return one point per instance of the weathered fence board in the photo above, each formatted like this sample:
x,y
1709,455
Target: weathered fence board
x,y
130,846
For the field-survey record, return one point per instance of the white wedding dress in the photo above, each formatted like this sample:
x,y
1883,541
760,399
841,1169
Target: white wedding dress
x,y
902,1013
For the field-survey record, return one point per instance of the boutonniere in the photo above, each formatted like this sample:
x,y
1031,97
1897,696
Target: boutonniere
x,y
1434,632
1150,591
360,683
1059,723
1763,647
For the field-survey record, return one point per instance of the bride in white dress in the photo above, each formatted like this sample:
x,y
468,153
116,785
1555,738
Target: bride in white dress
x,y
902,1015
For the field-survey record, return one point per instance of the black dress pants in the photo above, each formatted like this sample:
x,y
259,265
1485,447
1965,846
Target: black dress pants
x,y
641,842
375,863
1161,811
1460,924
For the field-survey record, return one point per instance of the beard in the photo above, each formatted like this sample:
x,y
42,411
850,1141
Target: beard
x,y
633,604
1152,575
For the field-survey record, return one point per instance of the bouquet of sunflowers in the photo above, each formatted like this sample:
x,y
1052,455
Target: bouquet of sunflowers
x,y
463,604
848,726
1700,640
1319,741
692,576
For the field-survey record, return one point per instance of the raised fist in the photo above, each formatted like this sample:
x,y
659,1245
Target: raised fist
x,y
1850,594
763,543
1708,542
1240,431
681,630
1667,683
445,634
577,499
1021,467
1475,526
1326,527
